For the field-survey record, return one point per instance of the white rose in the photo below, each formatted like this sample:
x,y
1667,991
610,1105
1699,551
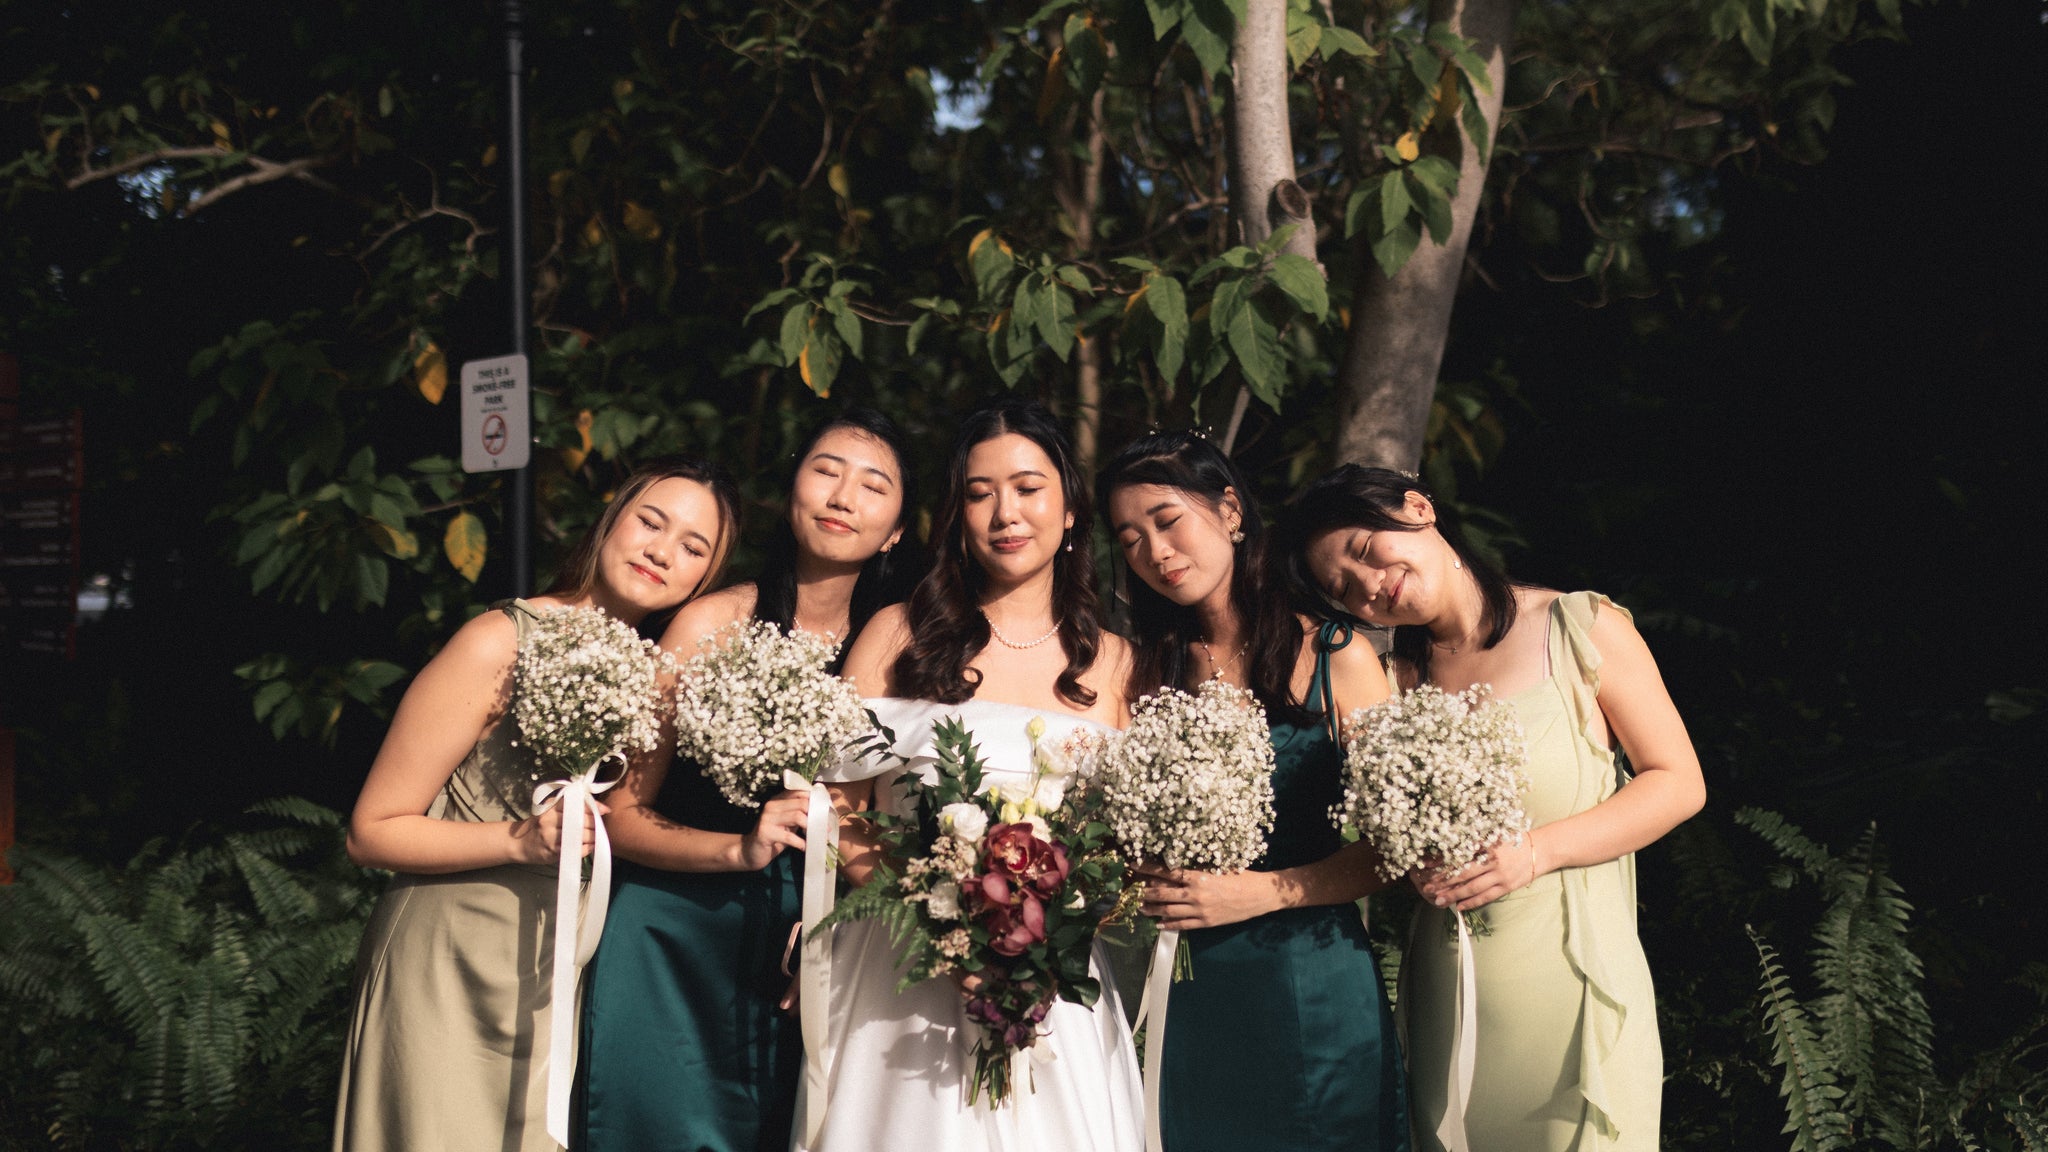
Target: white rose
x,y
1039,827
1049,792
967,821
944,900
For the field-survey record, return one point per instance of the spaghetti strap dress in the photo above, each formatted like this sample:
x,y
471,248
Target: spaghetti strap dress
x,y
1283,1039
1568,1056
684,1047
447,1047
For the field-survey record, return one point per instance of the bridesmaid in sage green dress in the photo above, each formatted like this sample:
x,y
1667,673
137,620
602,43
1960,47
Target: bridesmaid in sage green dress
x,y
688,1041
1282,1039
1567,1056
448,1041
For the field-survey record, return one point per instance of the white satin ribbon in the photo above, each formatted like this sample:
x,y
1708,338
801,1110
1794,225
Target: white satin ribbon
x,y
579,923
814,971
1152,1018
1450,1132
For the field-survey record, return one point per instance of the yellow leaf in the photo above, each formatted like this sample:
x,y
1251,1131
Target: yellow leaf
x,y
465,545
622,89
641,222
1055,83
573,458
431,367
842,184
980,238
584,420
1446,110
593,233
490,155
51,141
803,363
220,134
399,544
1409,146
92,91
558,181
1132,301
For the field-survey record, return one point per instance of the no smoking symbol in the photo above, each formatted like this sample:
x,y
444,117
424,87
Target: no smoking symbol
x,y
494,434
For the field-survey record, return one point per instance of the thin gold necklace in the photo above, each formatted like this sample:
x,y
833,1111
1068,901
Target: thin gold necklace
x,y
1211,658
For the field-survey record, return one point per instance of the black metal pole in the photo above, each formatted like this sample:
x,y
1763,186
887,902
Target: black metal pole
x,y
519,496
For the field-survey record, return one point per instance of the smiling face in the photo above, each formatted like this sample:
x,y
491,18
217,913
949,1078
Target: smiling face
x,y
659,550
1385,576
1016,514
846,503
1176,542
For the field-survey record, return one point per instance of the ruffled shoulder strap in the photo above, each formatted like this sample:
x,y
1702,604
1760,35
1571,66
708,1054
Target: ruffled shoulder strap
x,y
1573,657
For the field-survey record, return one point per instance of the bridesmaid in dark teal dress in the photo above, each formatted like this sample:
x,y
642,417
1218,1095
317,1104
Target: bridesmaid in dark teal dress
x,y
1283,1038
689,1044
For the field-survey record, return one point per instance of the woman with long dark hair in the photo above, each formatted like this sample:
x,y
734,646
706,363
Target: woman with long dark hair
x,y
1005,628
448,1045
1567,1053
687,1042
1283,1039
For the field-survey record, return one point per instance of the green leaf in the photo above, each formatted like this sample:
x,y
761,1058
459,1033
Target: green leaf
x,y
1056,321
769,301
915,336
1436,173
1346,41
1168,303
270,696
1394,202
796,329
1476,129
1207,29
1393,249
845,322
1436,214
1304,36
1298,277
818,364
1256,343
1165,14
1358,209
373,580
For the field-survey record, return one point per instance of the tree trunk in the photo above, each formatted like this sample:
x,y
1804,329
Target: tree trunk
x,y
1080,191
1263,194
1398,326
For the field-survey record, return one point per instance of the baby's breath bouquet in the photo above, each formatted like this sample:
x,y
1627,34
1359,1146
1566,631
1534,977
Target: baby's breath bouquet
x,y
1190,782
756,707
1433,778
585,691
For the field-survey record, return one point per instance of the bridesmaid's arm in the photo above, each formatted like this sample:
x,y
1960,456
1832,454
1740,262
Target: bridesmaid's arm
x,y
1667,790
1191,899
869,665
644,836
461,692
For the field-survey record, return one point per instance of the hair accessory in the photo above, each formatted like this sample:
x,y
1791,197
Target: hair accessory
x,y
1407,475
1237,535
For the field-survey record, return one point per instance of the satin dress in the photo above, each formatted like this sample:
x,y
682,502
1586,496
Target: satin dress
x,y
897,1065
684,1046
1283,1040
1568,1058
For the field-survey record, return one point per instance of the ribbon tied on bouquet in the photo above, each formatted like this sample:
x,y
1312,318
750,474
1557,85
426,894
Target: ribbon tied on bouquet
x,y
814,971
579,922
1152,1020
1450,1131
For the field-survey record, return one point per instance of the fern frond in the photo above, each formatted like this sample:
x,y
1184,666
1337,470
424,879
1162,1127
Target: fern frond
x,y
2029,1123
1785,836
298,810
134,970
279,896
60,882
1812,1115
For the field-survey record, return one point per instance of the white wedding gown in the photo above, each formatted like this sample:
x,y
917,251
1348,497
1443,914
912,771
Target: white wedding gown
x,y
898,1063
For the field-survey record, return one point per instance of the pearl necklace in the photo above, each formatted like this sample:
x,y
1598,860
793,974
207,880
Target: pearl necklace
x,y
1006,642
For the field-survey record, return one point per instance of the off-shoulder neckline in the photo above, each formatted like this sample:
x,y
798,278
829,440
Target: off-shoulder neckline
x,y
1050,713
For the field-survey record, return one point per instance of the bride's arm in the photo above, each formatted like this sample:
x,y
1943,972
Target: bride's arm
x,y
1190,899
643,835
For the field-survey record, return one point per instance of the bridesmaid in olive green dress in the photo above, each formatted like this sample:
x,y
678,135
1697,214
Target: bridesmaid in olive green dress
x,y
688,1042
447,1048
1567,1054
1283,1039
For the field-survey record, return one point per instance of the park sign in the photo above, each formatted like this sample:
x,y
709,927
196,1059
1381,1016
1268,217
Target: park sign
x,y
496,422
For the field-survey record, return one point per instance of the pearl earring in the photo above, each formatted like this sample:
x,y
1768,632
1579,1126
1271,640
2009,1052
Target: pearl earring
x,y
1236,534
1457,564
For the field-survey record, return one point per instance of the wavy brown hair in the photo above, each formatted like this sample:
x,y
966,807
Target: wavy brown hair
x,y
947,628
1161,629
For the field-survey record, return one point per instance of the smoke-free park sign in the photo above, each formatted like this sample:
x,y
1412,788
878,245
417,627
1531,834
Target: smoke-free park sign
x,y
495,415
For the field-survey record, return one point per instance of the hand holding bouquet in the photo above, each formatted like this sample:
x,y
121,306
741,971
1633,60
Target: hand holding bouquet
x,y
1004,888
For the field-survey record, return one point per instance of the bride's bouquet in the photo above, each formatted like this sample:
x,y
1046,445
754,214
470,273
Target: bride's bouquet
x,y
1003,888
757,709
1433,779
585,691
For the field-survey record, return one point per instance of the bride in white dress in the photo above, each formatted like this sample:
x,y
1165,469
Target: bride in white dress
x,y
1005,629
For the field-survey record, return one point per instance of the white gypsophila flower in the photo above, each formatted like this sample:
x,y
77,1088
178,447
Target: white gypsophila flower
x,y
1190,782
966,821
755,703
944,900
1434,776
585,686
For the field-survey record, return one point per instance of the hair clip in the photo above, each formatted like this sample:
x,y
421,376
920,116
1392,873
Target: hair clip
x,y
1407,475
